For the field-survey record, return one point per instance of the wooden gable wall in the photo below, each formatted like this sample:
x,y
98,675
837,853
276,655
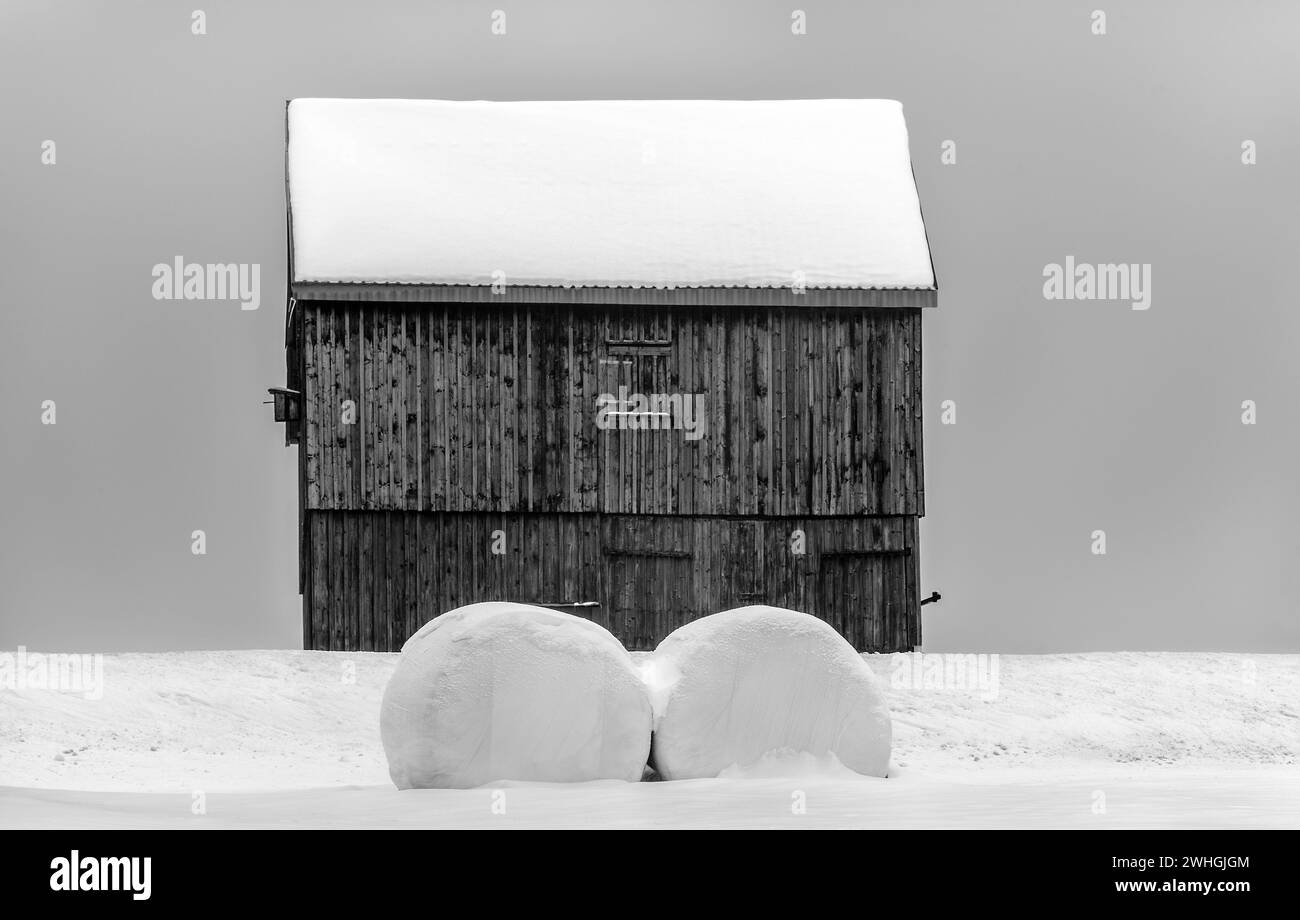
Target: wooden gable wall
x,y
491,408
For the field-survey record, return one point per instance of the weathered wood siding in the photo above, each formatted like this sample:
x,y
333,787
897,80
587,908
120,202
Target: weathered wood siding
x,y
375,577
810,411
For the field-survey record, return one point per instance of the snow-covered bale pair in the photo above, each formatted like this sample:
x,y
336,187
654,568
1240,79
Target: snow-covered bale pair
x,y
514,692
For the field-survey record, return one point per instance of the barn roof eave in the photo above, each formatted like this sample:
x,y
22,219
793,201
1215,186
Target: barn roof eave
x,y
375,292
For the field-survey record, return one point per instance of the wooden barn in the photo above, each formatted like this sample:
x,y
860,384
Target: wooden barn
x,y
639,361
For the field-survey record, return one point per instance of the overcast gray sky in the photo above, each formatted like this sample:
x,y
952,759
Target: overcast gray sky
x,y
1072,416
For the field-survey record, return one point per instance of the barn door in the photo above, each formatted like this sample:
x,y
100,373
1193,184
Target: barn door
x,y
650,595
651,566
863,595
745,564
638,444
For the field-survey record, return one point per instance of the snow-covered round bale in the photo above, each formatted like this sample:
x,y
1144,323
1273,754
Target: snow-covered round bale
x,y
503,691
735,686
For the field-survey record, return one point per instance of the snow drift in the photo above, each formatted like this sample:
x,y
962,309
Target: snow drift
x,y
733,688
502,691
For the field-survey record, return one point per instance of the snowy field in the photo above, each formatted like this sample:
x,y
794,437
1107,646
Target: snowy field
x,y
291,739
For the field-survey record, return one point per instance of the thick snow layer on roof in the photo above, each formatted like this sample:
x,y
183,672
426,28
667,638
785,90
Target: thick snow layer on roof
x,y
595,194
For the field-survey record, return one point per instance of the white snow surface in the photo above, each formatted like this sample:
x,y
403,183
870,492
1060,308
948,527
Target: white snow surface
x,y
743,685
504,691
689,193
291,739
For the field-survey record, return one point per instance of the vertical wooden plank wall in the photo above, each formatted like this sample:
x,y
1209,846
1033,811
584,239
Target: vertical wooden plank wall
x,y
378,576
492,408
467,419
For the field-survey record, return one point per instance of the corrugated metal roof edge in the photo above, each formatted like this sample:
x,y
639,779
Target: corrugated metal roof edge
x,y
392,292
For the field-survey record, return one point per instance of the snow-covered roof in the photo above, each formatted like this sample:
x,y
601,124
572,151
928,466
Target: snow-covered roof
x,y
613,194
